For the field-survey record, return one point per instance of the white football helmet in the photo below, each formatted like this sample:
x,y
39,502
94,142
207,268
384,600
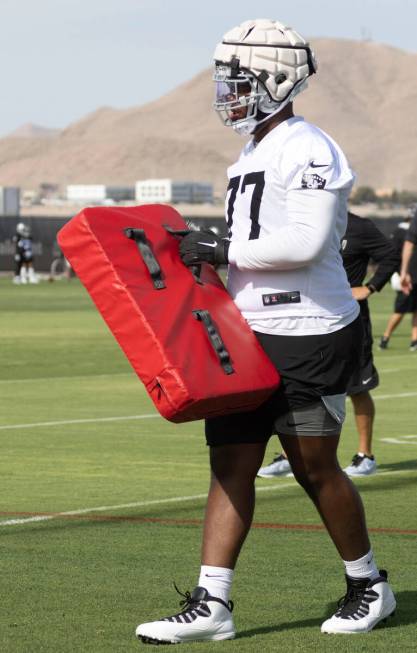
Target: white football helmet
x,y
260,66
23,230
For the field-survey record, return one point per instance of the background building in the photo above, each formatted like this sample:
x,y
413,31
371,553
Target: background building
x,y
154,191
98,193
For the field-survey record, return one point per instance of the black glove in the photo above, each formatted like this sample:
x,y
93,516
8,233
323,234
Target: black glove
x,y
199,246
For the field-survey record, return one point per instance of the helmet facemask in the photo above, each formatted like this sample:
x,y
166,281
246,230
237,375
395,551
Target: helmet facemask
x,y
242,101
238,96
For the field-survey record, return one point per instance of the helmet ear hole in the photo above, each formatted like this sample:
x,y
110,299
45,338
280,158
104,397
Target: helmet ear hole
x,y
281,77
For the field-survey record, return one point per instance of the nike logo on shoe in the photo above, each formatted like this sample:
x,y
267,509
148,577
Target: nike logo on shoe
x,y
318,165
208,244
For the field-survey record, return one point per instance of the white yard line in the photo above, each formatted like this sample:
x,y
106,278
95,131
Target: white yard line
x,y
5,427
52,379
140,504
398,396
399,441
147,416
136,504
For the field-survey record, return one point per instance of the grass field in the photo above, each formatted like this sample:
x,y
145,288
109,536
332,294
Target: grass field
x,y
101,500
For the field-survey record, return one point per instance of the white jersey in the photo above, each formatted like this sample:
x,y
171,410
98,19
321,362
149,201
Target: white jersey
x,y
286,211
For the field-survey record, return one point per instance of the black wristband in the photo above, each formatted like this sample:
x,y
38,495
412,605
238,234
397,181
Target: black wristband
x,y
370,287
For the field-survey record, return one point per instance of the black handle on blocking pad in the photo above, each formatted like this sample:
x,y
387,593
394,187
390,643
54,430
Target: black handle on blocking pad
x,y
196,268
215,339
149,258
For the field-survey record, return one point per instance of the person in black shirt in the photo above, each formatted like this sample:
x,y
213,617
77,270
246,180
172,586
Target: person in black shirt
x,y
362,243
404,238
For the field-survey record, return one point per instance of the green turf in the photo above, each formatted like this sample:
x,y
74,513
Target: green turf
x,y
81,583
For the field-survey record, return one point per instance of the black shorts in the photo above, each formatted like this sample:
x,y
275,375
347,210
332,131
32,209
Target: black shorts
x,y
311,367
406,303
365,376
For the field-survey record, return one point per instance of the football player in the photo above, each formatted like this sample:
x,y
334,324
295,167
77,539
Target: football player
x,y
404,237
23,258
286,211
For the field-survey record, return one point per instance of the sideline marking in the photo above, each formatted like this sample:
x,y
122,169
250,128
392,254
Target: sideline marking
x,y
136,504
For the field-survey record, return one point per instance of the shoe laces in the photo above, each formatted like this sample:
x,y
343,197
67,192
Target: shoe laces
x,y
350,602
357,459
190,603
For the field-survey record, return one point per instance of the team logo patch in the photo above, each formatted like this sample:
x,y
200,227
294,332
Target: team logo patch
x,y
292,297
312,181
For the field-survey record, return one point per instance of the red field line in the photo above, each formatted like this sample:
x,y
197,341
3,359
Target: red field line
x,y
193,522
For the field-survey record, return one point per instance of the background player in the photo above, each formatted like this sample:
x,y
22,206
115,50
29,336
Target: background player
x,y
23,258
406,298
361,243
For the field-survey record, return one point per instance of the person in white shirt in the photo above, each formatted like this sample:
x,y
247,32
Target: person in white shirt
x,y
286,211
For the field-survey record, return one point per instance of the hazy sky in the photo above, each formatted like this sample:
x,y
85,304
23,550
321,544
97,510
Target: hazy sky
x,y
61,59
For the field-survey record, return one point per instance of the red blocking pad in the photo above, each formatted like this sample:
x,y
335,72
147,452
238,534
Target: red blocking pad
x,y
179,328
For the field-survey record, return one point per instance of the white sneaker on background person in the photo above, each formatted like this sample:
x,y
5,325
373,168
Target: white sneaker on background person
x,y
361,465
278,467
33,277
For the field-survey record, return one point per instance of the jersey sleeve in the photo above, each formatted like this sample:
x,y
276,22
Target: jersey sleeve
x,y
306,236
313,162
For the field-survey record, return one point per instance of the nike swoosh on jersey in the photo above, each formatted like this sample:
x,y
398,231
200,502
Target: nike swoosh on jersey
x,y
208,244
318,165
366,380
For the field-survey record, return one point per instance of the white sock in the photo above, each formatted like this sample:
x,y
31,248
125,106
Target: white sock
x,y
364,567
217,581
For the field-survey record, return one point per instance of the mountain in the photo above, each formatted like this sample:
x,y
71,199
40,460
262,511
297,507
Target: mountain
x,y
29,130
364,96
